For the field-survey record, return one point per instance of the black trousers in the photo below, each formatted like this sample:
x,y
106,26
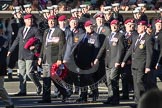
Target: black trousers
x,y
85,81
112,75
139,83
127,80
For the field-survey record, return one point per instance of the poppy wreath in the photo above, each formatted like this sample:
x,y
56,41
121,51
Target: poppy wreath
x,y
60,71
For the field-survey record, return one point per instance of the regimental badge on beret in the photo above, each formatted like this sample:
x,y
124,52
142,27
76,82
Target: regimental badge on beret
x,y
51,17
73,18
88,23
142,23
129,21
114,22
158,21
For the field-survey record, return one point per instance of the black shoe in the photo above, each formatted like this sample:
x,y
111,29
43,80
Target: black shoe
x,y
90,95
10,106
10,76
124,98
111,102
133,106
81,100
20,94
94,99
44,101
39,90
65,97
76,93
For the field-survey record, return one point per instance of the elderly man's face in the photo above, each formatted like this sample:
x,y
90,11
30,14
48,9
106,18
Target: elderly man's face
x,y
51,23
141,28
73,23
89,29
28,22
114,27
158,26
99,21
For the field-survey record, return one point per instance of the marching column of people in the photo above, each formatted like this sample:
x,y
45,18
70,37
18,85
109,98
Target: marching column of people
x,y
121,50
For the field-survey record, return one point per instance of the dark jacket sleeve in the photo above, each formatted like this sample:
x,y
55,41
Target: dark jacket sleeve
x,y
149,52
61,45
97,46
121,49
102,49
160,56
16,41
68,49
128,54
43,43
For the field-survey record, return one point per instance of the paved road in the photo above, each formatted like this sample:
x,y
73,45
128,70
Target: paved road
x,y
31,99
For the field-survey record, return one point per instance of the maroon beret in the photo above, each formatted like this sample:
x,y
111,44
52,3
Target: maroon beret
x,y
142,23
73,18
27,16
129,20
51,17
88,23
62,18
158,21
114,22
149,26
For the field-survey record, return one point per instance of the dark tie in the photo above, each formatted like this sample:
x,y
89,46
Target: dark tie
x,y
85,39
48,36
110,37
98,30
24,32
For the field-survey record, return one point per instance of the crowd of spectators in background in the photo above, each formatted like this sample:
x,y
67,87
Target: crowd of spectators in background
x,y
70,4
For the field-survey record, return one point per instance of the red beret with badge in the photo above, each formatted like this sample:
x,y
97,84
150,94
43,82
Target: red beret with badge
x,y
158,21
114,22
62,18
88,23
52,17
142,23
27,16
129,21
73,18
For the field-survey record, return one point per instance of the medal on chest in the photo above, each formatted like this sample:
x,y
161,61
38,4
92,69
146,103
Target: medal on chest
x,y
142,42
76,39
